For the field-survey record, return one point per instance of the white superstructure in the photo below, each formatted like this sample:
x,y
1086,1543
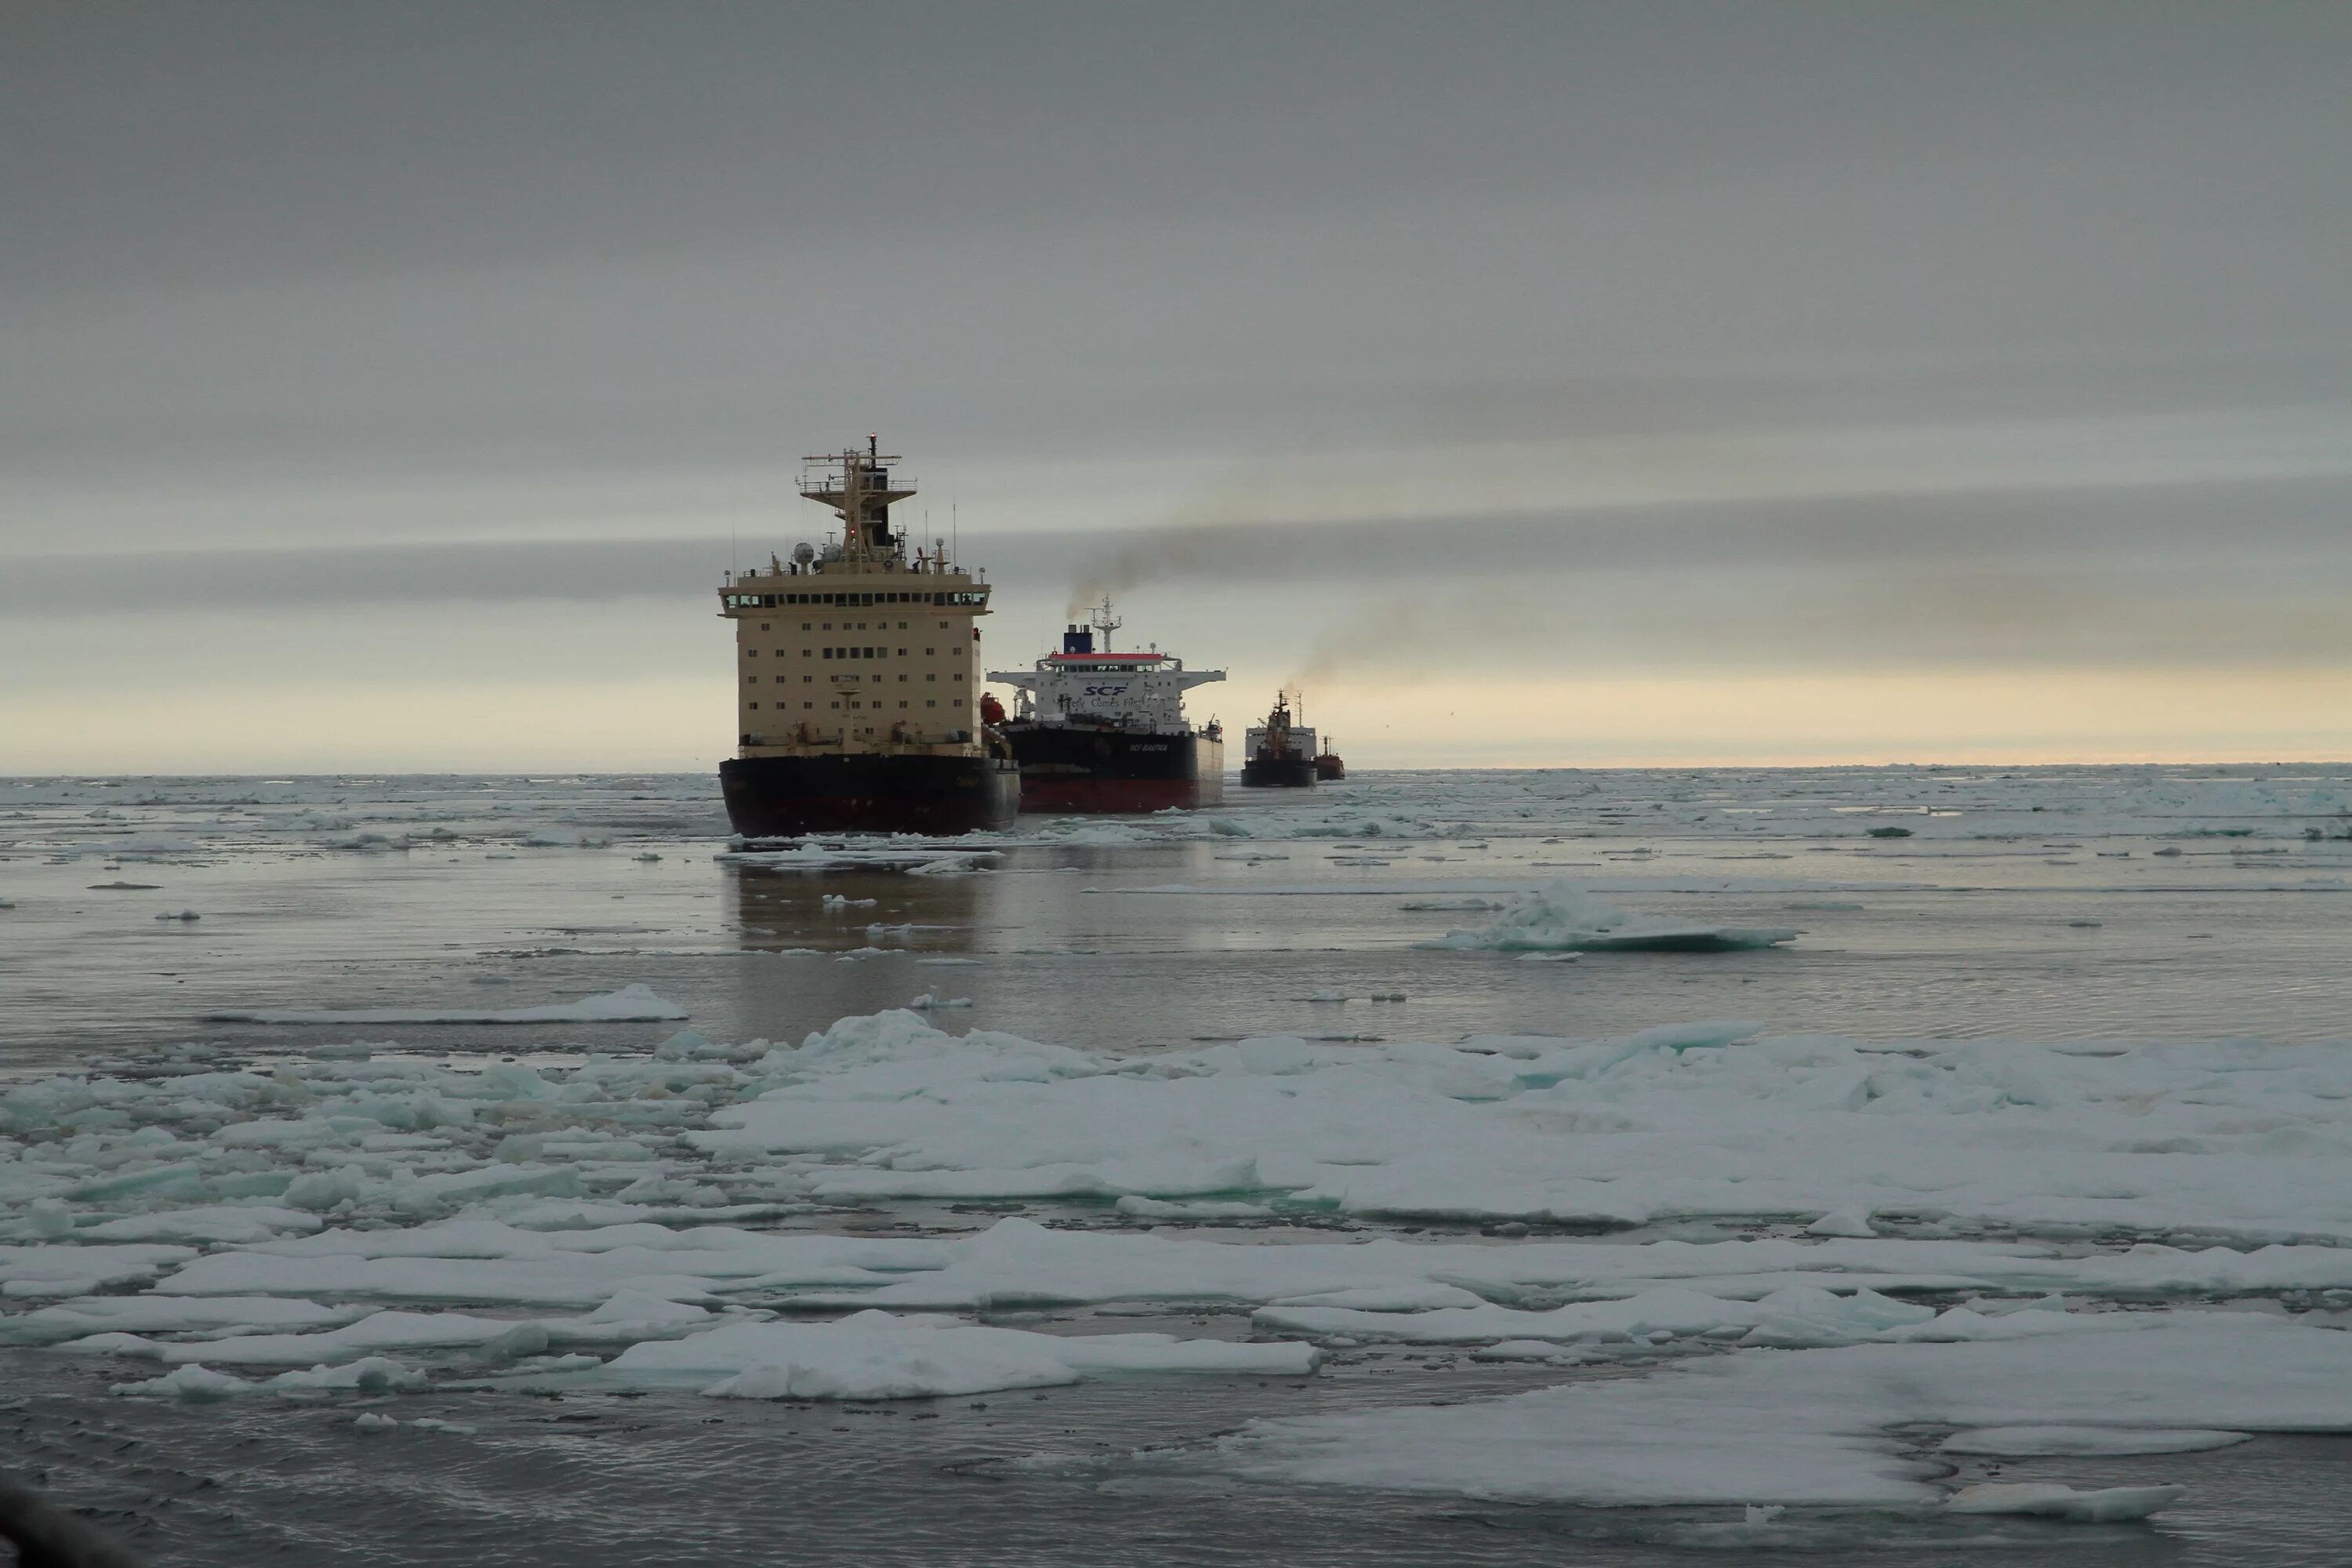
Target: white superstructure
x,y
1085,685
1298,741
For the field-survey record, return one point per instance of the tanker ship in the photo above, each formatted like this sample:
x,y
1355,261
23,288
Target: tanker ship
x,y
857,678
1104,731
1279,753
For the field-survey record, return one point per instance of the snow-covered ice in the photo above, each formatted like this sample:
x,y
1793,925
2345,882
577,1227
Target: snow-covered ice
x,y
2024,1442
2230,1138
1813,1426
1746,1264
878,1355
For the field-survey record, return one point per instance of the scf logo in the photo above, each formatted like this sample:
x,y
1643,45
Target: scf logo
x,y
1105,691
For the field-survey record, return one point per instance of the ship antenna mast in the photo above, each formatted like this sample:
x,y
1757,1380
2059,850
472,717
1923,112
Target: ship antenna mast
x,y
1104,622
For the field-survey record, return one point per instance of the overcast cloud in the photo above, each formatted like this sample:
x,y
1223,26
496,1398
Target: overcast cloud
x,y
1825,339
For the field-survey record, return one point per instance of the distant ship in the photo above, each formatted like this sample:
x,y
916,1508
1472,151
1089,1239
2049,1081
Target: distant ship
x,y
1280,752
857,678
1098,731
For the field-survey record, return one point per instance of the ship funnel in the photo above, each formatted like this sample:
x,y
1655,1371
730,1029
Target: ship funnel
x,y
1077,639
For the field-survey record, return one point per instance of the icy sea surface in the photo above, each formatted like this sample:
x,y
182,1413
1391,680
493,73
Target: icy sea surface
x,y
1843,1166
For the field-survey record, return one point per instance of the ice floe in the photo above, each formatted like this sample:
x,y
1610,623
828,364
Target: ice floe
x,y
879,1355
196,1382
2233,1140
159,1314
1564,917
2025,1442
1818,1426
2231,1137
316,1217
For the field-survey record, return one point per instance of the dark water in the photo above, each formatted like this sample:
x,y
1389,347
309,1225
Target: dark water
x,y
668,1479
1943,943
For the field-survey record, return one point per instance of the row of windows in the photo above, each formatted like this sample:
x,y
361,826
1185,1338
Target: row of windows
x,y
780,707
844,653
811,679
849,601
770,626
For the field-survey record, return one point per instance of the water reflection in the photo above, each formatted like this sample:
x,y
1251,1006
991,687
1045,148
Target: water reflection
x,y
853,908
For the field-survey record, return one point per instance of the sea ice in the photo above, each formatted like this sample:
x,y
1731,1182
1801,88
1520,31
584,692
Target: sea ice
x,y
1813,1426
209,1223
66,1270
390,1331
2023,1442
1563,917
168,1314
194,1382
1843,1222
877,1355
586,1188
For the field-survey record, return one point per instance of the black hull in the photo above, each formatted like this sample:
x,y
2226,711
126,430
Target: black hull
x,y
1277,773
1072,768
784,797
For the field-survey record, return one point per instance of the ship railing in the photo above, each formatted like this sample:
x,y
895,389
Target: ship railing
x,y
816,481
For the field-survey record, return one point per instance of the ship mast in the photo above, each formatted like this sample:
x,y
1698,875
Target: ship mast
x,y
858,486
1104,622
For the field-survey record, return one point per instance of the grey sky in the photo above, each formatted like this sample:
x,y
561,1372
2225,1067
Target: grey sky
x,y
1963,331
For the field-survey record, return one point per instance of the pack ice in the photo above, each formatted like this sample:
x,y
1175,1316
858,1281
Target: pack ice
x,y
1818,1427
1944,1204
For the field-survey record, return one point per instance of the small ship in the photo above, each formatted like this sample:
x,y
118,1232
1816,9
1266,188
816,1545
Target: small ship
x,y
1279,753
1104,731
857,678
